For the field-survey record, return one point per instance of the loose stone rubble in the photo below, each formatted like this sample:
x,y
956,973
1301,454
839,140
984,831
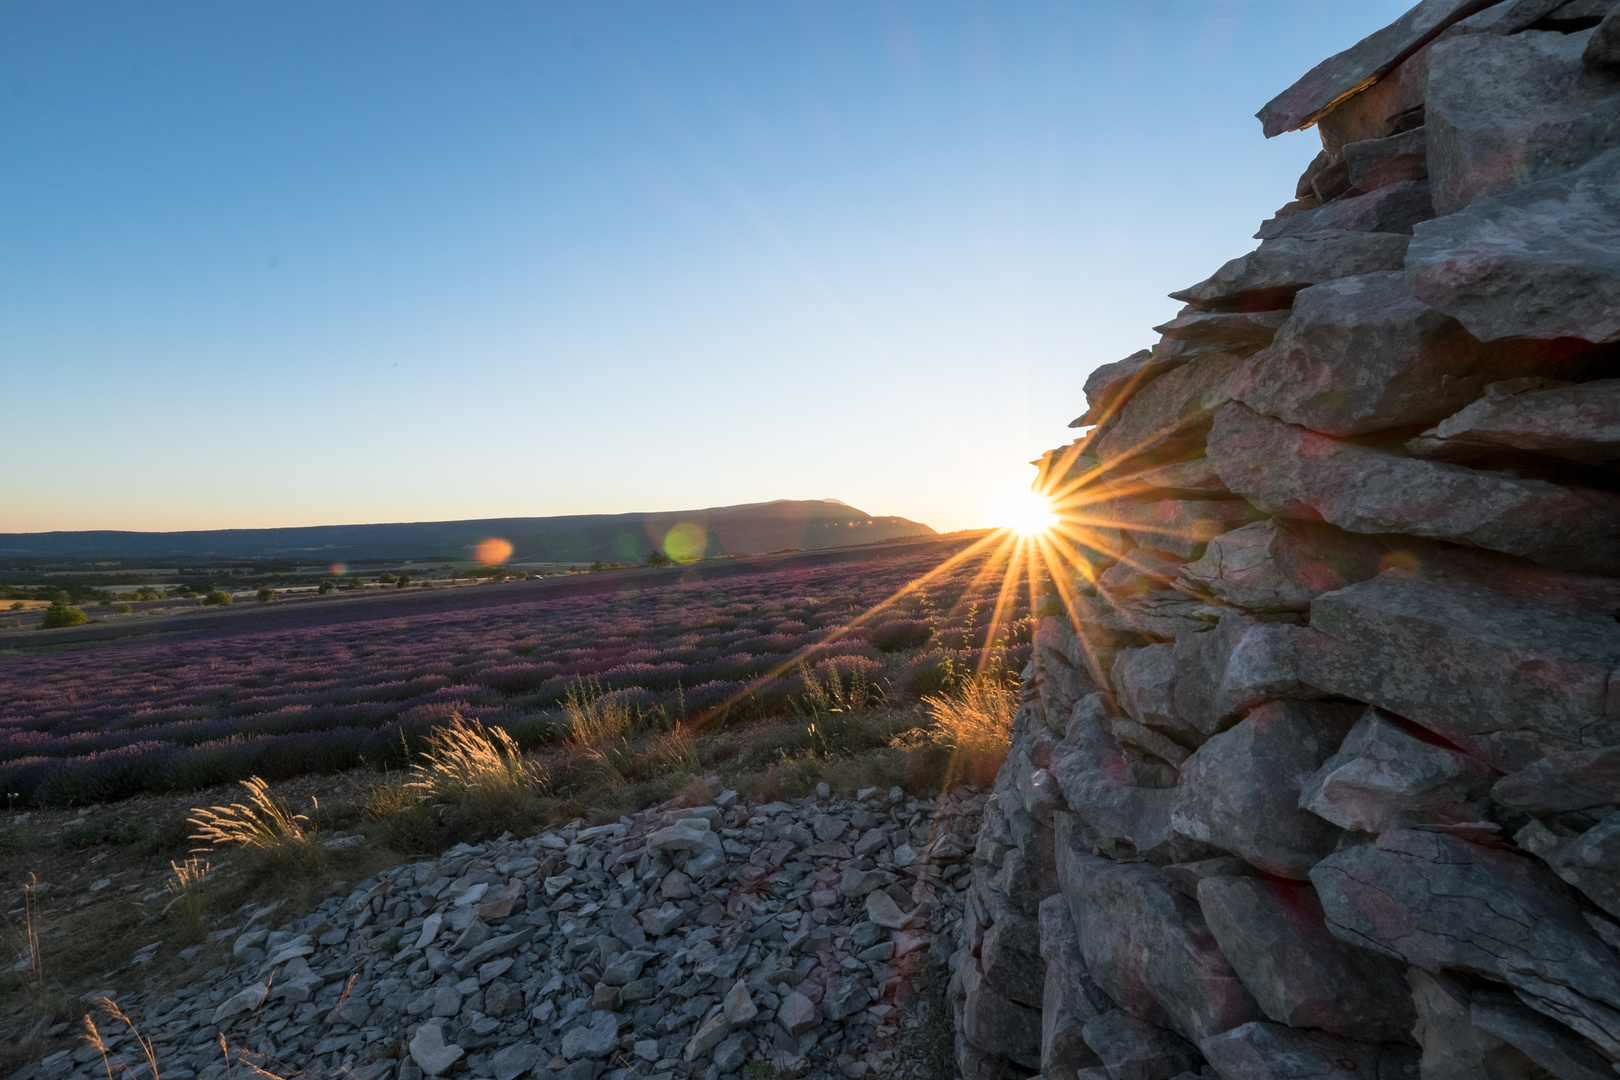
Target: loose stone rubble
x,y
686,941
1317,769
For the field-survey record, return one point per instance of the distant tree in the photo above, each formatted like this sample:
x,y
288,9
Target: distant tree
x,y
266,595
658,558
324,588
124,609
404,580
62,613
385,578
17,605
217,598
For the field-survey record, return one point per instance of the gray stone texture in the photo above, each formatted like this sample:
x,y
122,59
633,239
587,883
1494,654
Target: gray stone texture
x,y
1281,565
1441,903
1506,111
1385,776
1360,355
1579,422
1147,946
1538,261
1562,781
1240,791
1300,473
1268,277
1507,662
1274,934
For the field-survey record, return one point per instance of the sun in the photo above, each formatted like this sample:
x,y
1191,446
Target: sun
x,y
1027,513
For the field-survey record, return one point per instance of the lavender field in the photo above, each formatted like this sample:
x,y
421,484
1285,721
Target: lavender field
x,y
107,720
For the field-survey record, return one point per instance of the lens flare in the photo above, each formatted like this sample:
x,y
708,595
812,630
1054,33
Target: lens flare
x,y
338,569
1027,513
493,552
686,542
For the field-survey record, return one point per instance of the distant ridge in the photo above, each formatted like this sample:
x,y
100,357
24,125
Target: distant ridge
x,y
749,528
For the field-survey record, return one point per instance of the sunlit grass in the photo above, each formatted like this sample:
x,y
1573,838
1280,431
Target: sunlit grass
x,y
277,843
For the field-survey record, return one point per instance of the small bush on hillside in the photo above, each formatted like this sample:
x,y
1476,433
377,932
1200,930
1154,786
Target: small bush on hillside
x,y
323,588
218,597
897,635
266,595
385,578
124,609
62,613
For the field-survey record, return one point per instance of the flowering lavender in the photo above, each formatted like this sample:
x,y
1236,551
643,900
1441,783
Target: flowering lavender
x,y
121,718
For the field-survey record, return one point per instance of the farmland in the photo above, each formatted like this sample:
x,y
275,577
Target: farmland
x,y
101,713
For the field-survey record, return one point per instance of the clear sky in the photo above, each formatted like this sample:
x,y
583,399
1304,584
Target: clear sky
x,y
289,263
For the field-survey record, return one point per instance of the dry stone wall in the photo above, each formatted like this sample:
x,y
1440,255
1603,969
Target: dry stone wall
x,y
1317,767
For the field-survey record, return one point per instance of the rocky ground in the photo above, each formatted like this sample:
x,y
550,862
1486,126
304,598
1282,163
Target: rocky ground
x,y
727,939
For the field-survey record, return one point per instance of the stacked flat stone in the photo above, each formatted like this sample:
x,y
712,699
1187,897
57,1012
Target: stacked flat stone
x,y
683,941
1318,772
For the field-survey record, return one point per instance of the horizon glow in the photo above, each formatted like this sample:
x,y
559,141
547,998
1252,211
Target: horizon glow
x,y
289,264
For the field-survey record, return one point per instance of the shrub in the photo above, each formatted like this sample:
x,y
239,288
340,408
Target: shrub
x,y
385,578
266,595
404,580
17,605
62,613
124,609
897,635
323,588
218,598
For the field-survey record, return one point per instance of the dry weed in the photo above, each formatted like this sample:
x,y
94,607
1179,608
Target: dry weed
x,y
187,906
975,725
279,845
468,762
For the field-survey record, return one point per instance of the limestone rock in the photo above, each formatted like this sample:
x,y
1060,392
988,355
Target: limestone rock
x,y
1591,863
1178,526
1148,948
710,1035
1503,112
1580,422
1240,791
1538,261
1394,208
1195,477
1300,473
1239,333
431,1053
1549,1045
1603,48
1438,902
513,1061
1166,420
1564,780
1329,83
881,909
1359,355
1453,1047
1275,937
1070,998
1262,1051
1111,385
1269,277
596,1039
1464,646
1102,786
1376,163
797,1014
1132,1049
1224,672
1281,565
996,1024
1384,778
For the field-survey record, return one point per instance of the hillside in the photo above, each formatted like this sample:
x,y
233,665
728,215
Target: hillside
x,y
748,528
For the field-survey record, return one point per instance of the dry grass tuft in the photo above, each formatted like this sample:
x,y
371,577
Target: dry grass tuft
x,y
187,905
975,725
279,845
468,762
265,821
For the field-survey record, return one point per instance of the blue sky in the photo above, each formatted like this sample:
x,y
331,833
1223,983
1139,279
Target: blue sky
x,y
296,263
